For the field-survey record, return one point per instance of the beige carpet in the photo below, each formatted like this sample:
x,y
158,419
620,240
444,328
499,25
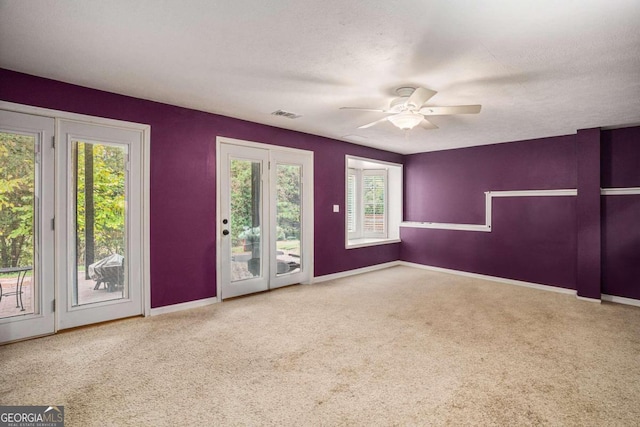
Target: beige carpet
x,y
400,346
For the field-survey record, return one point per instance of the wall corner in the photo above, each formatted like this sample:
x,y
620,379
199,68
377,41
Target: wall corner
x,y
588,215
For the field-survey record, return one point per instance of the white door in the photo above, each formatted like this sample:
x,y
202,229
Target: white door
x,y
26,232
291,217
265,221
98,223
243,209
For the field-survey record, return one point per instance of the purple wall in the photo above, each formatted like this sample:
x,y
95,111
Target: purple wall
x,y
620,166
183,186
533,239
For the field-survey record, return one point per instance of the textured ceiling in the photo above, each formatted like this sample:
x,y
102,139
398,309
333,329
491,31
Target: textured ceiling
x,y
539,68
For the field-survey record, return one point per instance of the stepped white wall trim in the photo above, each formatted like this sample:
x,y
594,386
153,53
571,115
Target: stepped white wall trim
x,y
446,226
184,306
533,193
319,279
620,191
489,195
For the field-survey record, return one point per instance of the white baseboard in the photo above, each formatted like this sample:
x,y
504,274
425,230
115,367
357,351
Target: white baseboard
x,y
348,273
621,300
605,297
319,279
492,278
589,299
183,306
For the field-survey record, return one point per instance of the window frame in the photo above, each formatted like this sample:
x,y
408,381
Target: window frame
x,y
356,171
353,230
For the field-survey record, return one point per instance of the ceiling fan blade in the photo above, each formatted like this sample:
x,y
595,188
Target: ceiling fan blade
x,y
427,124
368,125
420,96
455,109
364,109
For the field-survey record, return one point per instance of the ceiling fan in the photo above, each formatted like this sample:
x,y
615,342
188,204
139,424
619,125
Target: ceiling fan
x,y
408,110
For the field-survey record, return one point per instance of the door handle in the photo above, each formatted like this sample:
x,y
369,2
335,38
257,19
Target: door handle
x,y
225,232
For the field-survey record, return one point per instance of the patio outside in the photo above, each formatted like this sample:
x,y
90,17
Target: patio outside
x,y
288,253
10,305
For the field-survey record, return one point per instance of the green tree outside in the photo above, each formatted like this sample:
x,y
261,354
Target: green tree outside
x,y
108,198
17,188
16,199
244,216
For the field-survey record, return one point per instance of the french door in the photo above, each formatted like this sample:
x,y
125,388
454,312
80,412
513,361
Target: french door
x,y
265,220
71,233
99,223
26,235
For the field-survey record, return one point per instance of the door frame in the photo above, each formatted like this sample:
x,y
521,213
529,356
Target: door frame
x,y
145,163
131,304
308,206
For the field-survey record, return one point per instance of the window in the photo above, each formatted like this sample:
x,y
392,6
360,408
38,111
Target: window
x,y
366,203
373,202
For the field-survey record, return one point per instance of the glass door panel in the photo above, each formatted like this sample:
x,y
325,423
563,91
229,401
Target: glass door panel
x,y
245,219
244,262
291,217
18,216
99,181
288,218
26,234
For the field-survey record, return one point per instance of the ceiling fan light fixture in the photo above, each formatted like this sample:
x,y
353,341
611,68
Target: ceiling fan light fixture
x,y
406,120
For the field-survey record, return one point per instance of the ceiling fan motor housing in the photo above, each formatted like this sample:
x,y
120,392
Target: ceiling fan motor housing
x,y
400,104
405,91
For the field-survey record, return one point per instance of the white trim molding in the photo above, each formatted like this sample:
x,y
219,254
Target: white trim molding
x,y
621,300
628,191
184,306
596,300
363,243
261,145
604,297
492,278
340,275
489,195
47,112
446,226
